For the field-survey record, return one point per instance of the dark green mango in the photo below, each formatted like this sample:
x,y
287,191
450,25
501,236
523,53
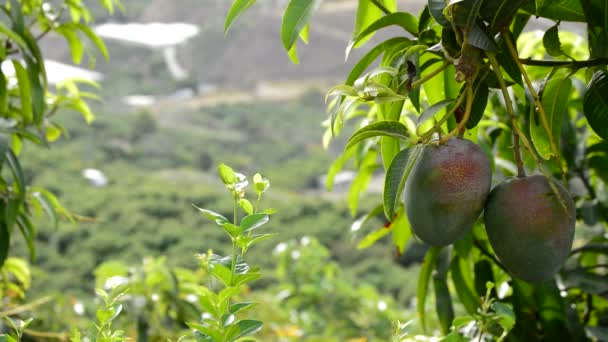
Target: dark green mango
x,y
446,190
530,231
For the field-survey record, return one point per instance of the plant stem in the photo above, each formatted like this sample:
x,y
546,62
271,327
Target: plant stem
x,y
516,131
538,103
64,336
25,307
565,64
465,118
234,246
522,137
381,6
443,119
430,75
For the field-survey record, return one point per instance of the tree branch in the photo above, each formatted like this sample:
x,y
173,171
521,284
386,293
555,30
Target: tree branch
x,y
571,64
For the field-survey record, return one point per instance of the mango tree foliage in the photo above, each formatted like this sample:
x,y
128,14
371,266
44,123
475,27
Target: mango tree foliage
x,y
535,103
28,103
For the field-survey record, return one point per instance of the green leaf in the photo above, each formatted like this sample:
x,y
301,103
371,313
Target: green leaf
x,y
595,104
371,238
246,206
506,61
551,42
368,13
591,282
17,172
296,17
5,238
396,175
480,102
25,91
94,38
479,38
12,36
430,112
373,53
227,174
443,304
393,129
506,316
405,20
389,148
466,292
358,223
430,259
596,14
555,102
551,311
454,336
241,307
402,231
337,166
28,230
71,36
436,8
48,208
232,229
364,175
247,327
238,7
240,279
251,222
217,218
566,10
221,273
245,242
38,100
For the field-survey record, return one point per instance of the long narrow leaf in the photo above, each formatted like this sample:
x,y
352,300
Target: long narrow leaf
x,y
430,259
393,129
238,7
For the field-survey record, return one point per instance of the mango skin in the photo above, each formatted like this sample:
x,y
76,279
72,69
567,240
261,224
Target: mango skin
x,y
529,230
446,190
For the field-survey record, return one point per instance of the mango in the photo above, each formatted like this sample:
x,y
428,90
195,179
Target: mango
x,y
530,231
446,190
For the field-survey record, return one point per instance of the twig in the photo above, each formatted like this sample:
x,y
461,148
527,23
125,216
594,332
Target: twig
x,y
467,114
522,137
63,336
25,307
538,103
430,75
443,119
381,6
565,64
516,131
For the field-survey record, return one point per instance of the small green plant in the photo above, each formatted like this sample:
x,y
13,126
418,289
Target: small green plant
x,y
106,314
221,322
18,326
492,319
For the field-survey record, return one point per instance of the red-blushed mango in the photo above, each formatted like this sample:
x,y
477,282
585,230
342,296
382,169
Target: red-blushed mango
x,y
530,230
446,190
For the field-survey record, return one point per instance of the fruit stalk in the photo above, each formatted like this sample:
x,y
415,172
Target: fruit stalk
x,y
537,102
432,130
515,127
429,76
515,130
465,118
